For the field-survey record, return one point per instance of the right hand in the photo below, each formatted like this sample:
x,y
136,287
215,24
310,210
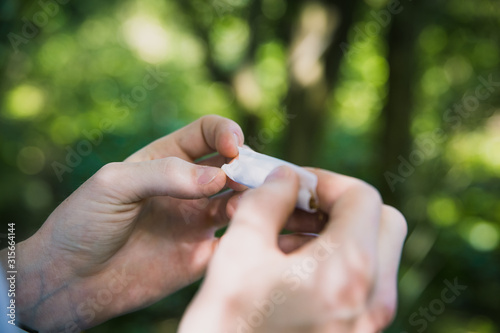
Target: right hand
x,y
344,280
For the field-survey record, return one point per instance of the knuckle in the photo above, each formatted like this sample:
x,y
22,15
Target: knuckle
x,y
398,221
351,294
210,117
357,287
168,164
393,213
367,190
108,174
225,123
372,192
384,313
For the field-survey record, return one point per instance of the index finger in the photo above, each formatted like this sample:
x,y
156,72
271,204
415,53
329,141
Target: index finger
x,y
204,136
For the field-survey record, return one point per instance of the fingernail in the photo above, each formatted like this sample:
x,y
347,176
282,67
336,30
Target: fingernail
x,y
278,173
236,139
206,175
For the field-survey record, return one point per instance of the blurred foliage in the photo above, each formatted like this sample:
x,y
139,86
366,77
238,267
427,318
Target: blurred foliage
x,y
317,83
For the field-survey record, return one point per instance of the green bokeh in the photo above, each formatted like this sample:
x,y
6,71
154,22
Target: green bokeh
x,y
68,87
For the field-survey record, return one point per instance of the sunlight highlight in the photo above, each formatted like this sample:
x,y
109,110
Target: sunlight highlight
x,y
146,36
483,236
24,102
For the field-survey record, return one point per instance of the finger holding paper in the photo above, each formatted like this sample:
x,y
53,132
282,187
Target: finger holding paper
x,y
251,169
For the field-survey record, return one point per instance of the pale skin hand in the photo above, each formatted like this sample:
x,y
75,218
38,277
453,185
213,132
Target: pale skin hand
x,y
344,280
127,237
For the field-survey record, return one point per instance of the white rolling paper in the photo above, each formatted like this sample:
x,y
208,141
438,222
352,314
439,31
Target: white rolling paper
x,y
251,169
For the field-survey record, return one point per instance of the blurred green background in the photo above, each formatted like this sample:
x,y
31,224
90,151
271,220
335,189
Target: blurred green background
x,y
403,94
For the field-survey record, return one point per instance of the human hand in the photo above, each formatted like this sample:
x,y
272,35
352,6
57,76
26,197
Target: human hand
x,y
133,233
344,280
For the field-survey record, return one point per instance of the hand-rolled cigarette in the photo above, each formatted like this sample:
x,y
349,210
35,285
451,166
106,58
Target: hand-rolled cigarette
x,y
251,169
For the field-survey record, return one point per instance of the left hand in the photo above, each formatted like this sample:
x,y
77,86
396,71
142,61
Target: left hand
x,y
133,233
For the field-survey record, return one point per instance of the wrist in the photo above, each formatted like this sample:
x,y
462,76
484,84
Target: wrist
x,y
46,292
212,311
54,294
40,296
206,314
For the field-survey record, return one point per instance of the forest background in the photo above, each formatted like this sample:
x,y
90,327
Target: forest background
x,y
402,94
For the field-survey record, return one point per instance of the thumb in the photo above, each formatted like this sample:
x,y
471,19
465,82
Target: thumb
x,y
171,176
264,211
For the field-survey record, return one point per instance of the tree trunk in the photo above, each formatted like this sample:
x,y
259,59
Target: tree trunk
x,y
307,104
395,136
